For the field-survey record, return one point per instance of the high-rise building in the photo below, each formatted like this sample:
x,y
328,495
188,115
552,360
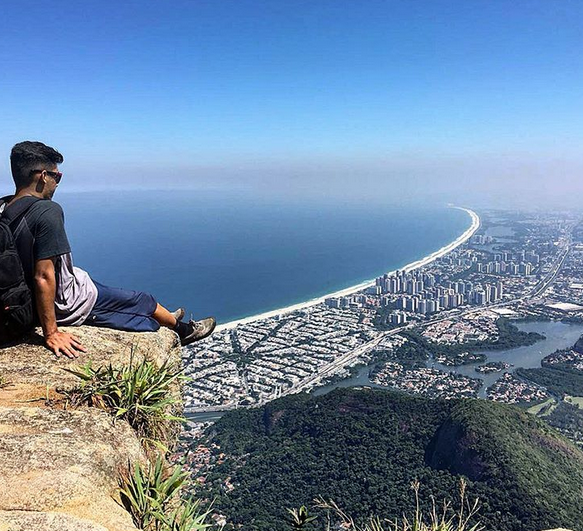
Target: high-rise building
x,y
452,300
392,285
411,304
493,293
429,280
400,285
345,302
332,302
411,287
397,318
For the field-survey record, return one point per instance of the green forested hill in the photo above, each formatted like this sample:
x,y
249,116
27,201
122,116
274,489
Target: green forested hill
x,y
363,449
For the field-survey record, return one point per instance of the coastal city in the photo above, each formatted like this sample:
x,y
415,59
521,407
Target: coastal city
x,y
413,329
291,265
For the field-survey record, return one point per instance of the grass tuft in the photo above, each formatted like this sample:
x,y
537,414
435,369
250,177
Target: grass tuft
x,y
140,393
444,520
152,496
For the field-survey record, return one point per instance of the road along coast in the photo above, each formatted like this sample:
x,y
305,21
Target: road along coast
x,y
363,285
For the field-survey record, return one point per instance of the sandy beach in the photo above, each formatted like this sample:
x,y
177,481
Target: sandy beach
x,y
363,285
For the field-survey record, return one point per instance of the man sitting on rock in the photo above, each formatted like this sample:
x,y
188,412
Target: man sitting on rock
x,y
64,294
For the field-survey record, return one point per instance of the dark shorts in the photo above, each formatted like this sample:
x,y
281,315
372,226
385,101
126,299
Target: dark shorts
x,y
123,309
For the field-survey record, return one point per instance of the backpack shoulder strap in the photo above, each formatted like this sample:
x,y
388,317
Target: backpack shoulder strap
x,y
18,209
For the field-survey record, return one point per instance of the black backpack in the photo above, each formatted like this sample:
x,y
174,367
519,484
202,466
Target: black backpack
x,y
16,307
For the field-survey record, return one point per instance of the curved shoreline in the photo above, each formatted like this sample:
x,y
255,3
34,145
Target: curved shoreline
x,y
367,283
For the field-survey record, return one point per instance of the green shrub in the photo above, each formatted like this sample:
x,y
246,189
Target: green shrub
x,y
141,393
152,496
300,518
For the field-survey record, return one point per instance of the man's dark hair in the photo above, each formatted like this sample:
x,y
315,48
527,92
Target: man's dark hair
x,y
28,156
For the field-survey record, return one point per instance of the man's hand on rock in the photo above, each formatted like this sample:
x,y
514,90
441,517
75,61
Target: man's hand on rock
x,y
64,343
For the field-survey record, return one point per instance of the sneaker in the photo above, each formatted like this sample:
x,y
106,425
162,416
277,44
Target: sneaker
x,y
200,330
178,314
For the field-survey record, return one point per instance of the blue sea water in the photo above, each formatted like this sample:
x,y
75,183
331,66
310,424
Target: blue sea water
x,y
232,255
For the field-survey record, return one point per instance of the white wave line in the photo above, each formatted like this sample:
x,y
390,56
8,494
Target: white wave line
x,y
367,283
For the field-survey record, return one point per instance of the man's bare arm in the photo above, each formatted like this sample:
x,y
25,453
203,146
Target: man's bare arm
x,y
45,291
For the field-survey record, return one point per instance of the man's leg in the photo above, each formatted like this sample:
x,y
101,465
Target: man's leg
x,y
187,332
164,317
139,312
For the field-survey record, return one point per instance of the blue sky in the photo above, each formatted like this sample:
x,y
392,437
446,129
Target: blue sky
x,y
442,99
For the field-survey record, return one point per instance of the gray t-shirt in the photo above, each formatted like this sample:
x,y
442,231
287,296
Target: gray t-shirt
x,y
40,234
76,292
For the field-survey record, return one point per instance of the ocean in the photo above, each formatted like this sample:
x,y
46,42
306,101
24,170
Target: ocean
x,y
233,255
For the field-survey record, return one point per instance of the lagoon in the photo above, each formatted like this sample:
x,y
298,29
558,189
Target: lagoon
x,y
558,336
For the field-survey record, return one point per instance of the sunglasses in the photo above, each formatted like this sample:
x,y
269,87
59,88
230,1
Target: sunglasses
x,y
56,175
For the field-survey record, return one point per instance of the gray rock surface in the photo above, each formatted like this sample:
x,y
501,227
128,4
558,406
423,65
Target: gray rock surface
x,y
65,462
25,521
59,468
30,363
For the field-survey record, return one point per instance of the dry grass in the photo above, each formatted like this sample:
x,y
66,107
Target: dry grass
x,y
443,519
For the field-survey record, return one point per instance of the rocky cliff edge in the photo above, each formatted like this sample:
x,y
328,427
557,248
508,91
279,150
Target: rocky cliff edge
x,y
59,467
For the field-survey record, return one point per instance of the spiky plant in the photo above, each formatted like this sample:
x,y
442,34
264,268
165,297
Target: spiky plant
x,y
152,495
141,393
300,518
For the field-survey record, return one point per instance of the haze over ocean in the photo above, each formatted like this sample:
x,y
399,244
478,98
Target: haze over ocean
x,y
231,256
